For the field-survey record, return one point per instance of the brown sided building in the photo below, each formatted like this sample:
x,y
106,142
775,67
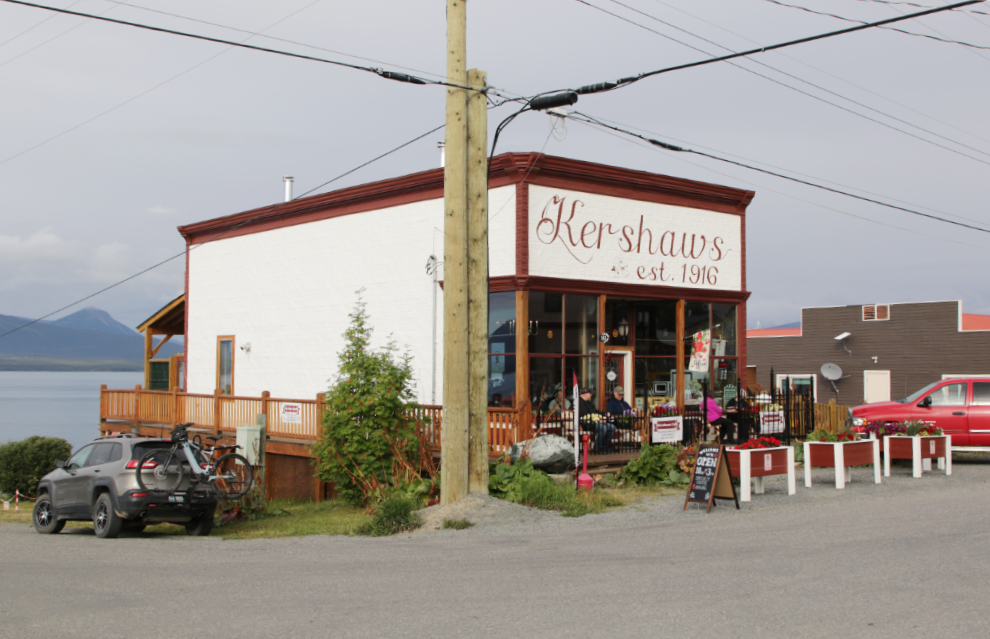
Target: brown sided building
x,y
890,350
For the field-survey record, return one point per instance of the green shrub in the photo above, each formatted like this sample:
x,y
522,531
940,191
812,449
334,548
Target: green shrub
x,y
394,515
520,483
368,444
655,465
24,463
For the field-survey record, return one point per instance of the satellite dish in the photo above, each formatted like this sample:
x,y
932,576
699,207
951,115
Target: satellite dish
x,y
831,372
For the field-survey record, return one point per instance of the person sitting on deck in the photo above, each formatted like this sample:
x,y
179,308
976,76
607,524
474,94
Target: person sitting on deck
x,y
593,419
715,418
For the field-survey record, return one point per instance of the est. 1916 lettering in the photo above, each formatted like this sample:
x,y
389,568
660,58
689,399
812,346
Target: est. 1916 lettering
x,y
695,275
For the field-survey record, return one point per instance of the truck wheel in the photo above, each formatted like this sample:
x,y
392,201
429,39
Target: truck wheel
x,y
106,523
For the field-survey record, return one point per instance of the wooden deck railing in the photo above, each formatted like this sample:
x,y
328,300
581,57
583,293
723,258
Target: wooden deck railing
x,y
221,413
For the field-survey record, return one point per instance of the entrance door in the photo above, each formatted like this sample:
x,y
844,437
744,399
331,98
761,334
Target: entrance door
x,y
618,372
876,386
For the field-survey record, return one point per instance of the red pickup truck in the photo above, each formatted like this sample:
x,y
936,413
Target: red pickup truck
x,y
960,407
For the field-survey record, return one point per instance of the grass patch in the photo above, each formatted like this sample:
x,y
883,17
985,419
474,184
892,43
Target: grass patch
x,y
285,518
394,515
456,524
282,518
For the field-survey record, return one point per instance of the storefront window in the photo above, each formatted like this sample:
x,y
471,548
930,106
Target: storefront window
x,y
696,318
586,369
725,385
544,381
656,328
502,322
581,315
655,382
724,329
501,380
694,382
545,322
617,323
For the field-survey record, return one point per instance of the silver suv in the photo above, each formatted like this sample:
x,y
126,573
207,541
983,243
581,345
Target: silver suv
x,y
99,484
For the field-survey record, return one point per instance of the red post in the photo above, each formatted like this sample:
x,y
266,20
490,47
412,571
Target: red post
x,y
585,482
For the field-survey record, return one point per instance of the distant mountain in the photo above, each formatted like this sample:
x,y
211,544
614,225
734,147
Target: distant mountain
x,y
52,346
93,319
791,325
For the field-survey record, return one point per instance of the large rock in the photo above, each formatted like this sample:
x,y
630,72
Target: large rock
x,y
549,453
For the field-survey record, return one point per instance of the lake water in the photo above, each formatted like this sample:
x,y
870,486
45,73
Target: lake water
x,y
65,405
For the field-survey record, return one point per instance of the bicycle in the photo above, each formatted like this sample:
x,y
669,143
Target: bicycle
x,y
230,476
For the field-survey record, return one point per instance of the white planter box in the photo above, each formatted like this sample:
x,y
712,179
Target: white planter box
x,y
837,455
756,464
921,450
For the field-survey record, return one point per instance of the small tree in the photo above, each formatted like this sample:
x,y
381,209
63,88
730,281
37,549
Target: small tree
x,y
369,437
24,463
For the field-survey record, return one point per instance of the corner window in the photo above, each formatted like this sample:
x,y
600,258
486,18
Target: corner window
x,y
225,364
799,384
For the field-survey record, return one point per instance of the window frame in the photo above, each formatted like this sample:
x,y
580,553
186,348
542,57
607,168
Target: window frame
x,y
233,344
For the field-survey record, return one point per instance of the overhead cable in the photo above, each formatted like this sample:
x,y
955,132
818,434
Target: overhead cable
x,y
910,33
673,147
390,75
266,212
799,79
612,85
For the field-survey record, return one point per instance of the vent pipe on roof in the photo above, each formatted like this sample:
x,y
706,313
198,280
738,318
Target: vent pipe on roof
x,y
442,146
288,179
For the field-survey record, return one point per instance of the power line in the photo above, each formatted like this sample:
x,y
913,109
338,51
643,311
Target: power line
x,y
389,75
846,186
621,82
785,85
269,37
672,147
266,212
32,28
831,75
147,91
910,33
639,143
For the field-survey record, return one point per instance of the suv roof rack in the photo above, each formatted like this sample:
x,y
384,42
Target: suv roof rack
x,y
117,436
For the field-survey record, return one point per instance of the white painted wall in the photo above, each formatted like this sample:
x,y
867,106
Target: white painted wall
x,y
586,236
289,291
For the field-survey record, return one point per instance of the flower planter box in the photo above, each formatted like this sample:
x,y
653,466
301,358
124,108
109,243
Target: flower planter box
x,y
757,463
841,456
920,450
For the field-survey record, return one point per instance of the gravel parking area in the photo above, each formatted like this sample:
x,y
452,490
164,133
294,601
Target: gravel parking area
x,y
493,516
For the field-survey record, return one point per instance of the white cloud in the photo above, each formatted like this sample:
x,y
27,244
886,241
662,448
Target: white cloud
x,y
41,246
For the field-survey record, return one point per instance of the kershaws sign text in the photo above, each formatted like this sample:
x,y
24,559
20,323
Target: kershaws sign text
x,y
583,236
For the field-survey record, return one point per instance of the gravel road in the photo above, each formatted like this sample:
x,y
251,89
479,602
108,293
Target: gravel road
x,y
907,558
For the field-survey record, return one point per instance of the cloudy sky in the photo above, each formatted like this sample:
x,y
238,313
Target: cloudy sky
x,y
112,136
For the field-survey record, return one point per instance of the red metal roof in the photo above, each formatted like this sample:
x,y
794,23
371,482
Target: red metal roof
x,y
972,322
773,332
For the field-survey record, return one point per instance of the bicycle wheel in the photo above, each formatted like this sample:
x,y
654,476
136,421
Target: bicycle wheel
x,y
160,470
233,476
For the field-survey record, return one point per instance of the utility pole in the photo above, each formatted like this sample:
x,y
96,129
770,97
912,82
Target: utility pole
x,y
464,439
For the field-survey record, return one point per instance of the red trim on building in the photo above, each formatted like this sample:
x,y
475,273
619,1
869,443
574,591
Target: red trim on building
x,y
973,322
508,168
592,287
773,332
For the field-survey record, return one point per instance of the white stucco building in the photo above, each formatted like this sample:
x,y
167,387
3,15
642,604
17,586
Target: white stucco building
x,y
593,269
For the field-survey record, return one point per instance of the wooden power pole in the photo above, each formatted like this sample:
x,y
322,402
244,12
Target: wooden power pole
x,y
464,435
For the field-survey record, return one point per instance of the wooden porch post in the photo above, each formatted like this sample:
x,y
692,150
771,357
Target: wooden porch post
x,y
147,356
524,421
217,410
264,406
137,407
680,357
176,417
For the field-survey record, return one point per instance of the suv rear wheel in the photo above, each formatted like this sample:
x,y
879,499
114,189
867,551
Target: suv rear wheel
x,y
43,516
200,527
106,523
